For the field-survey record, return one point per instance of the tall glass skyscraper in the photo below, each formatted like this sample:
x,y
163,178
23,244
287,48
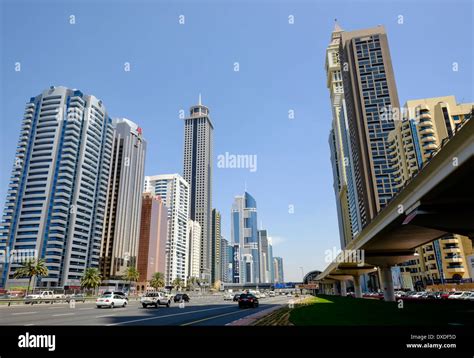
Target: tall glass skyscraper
x,y
124,199
245,234
58,187
198,130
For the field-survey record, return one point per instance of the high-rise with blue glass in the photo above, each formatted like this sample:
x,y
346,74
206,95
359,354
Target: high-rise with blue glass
x,y
57,193
244,233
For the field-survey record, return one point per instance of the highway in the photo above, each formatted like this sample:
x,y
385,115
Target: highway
x,y
207,310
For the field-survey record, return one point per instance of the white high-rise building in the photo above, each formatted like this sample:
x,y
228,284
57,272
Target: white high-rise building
x,y
56,199
124,199
197,172
194,237
174,191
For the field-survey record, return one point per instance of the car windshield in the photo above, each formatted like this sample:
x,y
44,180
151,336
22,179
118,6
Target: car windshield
x,y
106,295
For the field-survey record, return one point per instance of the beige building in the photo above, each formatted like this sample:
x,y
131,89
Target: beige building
x,y
423,127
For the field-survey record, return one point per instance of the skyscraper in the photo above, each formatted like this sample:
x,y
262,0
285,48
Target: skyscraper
x,y
174,191
57,196
264,257
339,142
216,245
270,261
278,269
194,238
123,208
226,260
245,234
153,237
371,98
198,131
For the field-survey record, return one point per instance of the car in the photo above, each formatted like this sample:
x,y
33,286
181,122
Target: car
x,y
465,295
155,299
271,294
43,296
111,300
228,297
455,295
445,295
470,297
248,300
77,297
418,294
433,295
262,295
236,297
120,293
181,297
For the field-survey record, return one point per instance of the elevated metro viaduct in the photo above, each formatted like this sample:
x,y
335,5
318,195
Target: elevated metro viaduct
x,y
437,201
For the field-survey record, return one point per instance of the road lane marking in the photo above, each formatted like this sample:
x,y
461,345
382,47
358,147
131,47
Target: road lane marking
x,y
19,313
105,315
208,318
63,314
169,315
29,324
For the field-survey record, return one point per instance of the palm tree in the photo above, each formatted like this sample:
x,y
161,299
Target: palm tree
x,y
157,280
91,278
132,275
30,269
192,281
177,283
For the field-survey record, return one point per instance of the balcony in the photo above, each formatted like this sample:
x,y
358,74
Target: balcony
x,y
455,269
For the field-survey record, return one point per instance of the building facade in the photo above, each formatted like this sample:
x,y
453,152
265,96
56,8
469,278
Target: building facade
x,y
226,261
153,238
424,126
245,234
370,99
194,238
57,193
266,260
339,143
174,191
121,233
216,246
198,132
278,269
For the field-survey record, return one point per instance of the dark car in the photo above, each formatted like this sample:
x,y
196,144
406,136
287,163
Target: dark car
x,y
181,297
236,297
77,297
248,300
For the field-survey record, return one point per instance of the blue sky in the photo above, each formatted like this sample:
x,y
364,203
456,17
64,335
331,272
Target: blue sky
x,y
281,68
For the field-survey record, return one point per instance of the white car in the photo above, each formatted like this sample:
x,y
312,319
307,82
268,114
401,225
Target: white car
x,y
455,295
465,295
271,294
470,297
418,294
111,300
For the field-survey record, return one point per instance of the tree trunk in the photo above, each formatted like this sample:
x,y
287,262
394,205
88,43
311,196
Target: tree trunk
x,y
29,284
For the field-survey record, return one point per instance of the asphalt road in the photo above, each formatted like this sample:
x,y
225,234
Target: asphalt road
x,y
213,311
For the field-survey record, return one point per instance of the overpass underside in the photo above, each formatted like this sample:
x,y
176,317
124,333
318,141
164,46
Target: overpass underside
x,y
439,200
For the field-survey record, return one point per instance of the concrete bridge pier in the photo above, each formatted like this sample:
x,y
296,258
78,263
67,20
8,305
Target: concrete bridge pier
x,y
387,283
